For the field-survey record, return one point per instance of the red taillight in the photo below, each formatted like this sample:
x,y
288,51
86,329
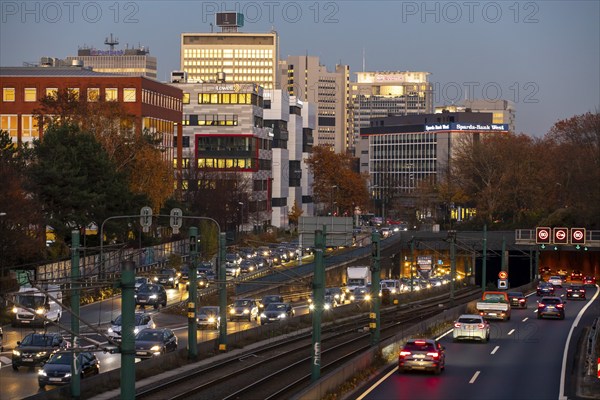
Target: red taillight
x,y
457,324
541,305
404,353
434,354
522,300
559,305
420,342
569,290
480,326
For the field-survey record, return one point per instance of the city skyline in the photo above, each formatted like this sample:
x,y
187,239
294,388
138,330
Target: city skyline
x,y
543,56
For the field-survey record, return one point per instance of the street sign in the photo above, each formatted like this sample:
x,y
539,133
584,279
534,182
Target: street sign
x,y
542,235
176,221
146,218
502,284
561,235
578,235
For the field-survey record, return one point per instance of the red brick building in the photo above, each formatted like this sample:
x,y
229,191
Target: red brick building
x,y
154,105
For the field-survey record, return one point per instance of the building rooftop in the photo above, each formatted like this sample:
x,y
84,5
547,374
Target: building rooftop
x,y
52,71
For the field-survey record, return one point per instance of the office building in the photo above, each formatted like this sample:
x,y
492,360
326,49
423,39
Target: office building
x,y
389,93
503,111
306,79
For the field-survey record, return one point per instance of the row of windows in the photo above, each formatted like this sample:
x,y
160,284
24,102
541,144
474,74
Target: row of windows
x,y
230,98
228,53
210,120
226,163
210,66
93,94
29,126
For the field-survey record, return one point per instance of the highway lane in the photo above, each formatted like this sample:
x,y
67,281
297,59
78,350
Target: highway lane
x,y
522,360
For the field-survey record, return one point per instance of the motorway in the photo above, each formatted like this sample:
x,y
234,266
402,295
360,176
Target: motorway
x,y
526,358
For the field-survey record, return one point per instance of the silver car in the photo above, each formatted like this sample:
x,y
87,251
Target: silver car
x,y
471,327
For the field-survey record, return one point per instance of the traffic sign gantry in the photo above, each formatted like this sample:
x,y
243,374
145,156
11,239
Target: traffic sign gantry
x,y
542,235
561,235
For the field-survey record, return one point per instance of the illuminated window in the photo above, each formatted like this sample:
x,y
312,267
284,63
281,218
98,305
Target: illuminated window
x,y
93,94
129,95
111,94
30,94
8,94
9,123
74,92
52,92
29,126
186,98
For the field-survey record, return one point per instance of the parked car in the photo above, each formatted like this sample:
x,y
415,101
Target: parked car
x,y
517,300
471,327
141,321
151,295
551,306
576,292
244,309
545,289
36,348
154,342
57,371
422,354
167,277
208,317
276,312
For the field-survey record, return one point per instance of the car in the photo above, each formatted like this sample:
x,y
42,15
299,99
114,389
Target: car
x,y
576,275
57,371
556,280
517,300
589,280
338,295
545,271
208,317
576,292
422,354
141,321
471,327
154,342
202,281
167,277
276,312
361,294
232,269
151,295
248,266
36,348
244,309
268,299
551,306
140,280
545,289
233,258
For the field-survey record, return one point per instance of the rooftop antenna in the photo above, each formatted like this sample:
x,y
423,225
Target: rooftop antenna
x,y
112,42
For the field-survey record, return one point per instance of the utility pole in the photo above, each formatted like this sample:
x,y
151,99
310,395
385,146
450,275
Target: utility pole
x,y
452,235
127,327
375,286
484,260
221,276
318,300
75,275
193,295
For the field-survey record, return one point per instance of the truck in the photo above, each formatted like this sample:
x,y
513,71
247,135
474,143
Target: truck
x,y
494,305
356,277
37,306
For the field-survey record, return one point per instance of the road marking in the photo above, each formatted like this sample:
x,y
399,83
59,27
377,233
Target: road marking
x,y
561,390
495,350
474,377
5,360
511,332
524,319
369,390
442,335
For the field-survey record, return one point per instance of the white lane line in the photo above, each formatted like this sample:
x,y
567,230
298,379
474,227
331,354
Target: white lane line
x,y
524,319
561,390
444,334
511,332
495,350
474,377
369,390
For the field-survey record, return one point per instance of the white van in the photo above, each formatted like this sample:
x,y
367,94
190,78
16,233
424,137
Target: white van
x,y
35,307
393,285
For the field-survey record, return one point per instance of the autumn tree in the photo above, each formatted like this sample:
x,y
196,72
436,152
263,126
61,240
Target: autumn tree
x,y
335,182
295,214
22,229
